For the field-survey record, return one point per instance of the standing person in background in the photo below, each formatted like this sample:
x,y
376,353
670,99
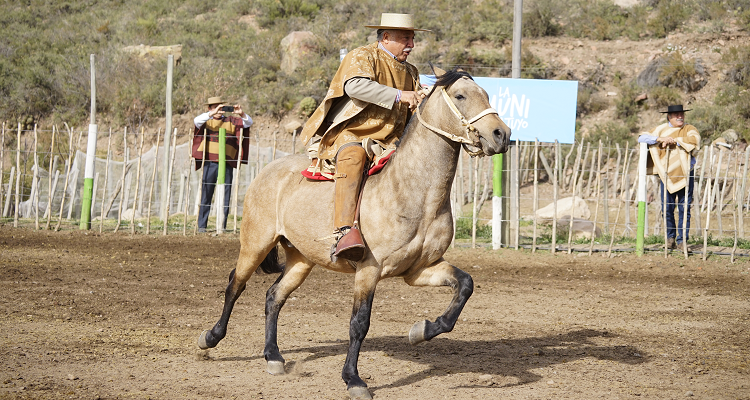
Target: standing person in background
x,y
207,127
684,142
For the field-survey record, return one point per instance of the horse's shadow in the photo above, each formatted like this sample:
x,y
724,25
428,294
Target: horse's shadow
x,y
510,359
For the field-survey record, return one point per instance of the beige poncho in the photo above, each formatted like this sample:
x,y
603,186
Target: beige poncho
x,y
677,171
359,119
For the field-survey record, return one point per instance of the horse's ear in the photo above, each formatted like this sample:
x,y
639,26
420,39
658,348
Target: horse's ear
x,y
437,71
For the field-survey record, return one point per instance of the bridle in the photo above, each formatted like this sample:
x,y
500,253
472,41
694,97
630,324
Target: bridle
x,y
472,138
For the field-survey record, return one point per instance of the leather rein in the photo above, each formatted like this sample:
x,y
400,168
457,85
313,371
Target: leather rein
x,y
472,138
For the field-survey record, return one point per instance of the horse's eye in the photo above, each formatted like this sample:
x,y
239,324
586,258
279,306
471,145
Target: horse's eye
x,y
460,97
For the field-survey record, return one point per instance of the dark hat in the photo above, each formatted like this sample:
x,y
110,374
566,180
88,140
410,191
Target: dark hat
x,y
674,109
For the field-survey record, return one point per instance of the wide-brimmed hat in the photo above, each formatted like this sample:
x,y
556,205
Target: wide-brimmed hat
x,y
674,109
397,21
214,100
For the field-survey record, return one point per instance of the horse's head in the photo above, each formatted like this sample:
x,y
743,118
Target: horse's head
x,y
471,117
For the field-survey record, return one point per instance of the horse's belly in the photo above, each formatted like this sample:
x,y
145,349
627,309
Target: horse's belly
x,y
424,250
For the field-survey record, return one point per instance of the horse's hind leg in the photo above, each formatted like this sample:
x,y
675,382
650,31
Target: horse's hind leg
x,y
297,269
247,263
441,274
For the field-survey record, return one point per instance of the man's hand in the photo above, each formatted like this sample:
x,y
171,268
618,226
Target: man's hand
x,y
238,110
666,141
412,98
215,111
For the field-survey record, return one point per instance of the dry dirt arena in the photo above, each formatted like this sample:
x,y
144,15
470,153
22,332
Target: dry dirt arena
x,y
89,316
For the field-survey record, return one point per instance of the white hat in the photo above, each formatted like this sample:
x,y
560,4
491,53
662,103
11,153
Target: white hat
x,y
396,21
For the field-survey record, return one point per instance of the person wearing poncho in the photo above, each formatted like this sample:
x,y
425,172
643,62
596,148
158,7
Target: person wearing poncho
x,y
205,150
372,95
683,142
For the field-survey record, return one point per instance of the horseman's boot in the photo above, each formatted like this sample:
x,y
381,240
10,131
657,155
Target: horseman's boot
x,y
350,163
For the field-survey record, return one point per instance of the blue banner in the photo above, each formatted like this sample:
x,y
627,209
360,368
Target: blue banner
x,y
532,108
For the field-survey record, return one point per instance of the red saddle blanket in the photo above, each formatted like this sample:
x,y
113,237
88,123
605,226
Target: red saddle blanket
x,y
372,171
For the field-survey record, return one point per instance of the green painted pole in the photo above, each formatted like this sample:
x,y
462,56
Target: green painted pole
x,y
640,231
222,155
497,201
220,180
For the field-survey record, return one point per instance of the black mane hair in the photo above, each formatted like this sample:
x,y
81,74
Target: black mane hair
x,y
451,77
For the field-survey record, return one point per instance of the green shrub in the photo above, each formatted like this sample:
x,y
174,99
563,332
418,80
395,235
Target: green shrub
x,y
589,102
307,106
683,74
463,229
738,61
711,120
660,97
610,132
626,108
540,19
670,14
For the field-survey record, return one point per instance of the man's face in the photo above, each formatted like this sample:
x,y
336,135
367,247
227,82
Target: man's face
x,y
677,119
399,43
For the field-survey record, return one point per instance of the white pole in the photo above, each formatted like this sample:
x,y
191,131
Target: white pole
x,y
641,197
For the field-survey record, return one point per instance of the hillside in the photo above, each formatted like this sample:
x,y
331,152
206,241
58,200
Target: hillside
x,y
701,50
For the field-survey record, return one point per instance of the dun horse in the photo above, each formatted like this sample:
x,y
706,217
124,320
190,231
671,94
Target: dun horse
x,y
405,220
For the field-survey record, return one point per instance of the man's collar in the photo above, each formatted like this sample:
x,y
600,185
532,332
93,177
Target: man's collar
x,y
380,45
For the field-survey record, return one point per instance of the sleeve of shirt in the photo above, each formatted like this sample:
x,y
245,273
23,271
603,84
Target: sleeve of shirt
x,y
372,92
201,119
246,121
648,139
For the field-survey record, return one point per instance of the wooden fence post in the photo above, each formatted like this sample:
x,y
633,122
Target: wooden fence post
x,y
555,185
137,184
50,191
153,178
35,181
122,179
169,180
106,181
598,186
741,197
67,175
535,201
18,177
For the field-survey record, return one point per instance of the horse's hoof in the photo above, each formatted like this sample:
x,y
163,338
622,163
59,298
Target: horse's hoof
x,y
416,334
202,341
359,393
275,367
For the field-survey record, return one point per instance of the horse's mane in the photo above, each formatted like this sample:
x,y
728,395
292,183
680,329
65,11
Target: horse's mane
x,y
450,78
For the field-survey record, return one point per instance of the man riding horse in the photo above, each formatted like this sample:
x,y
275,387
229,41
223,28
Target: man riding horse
x,y
372,95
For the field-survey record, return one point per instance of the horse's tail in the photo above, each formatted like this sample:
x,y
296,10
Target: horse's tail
x,y
271,264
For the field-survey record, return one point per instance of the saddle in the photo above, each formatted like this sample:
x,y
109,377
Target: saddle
x,y
323,169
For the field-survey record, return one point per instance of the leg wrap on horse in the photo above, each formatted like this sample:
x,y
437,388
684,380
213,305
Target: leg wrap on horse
x,y
350,163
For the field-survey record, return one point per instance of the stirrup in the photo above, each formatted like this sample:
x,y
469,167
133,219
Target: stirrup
x,y
349,244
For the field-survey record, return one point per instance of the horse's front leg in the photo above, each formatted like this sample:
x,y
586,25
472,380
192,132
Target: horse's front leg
x,y
441,273
365,281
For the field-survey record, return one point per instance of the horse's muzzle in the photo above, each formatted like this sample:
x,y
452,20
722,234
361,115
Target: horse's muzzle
x,y
498,143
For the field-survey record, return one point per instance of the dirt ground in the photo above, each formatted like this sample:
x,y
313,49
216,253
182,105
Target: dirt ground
x,y
89,316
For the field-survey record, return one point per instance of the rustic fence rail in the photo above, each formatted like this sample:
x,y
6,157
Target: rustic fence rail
x,y
594,182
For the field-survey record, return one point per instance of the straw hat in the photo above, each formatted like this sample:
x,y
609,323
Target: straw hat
x,y
214,100
396,21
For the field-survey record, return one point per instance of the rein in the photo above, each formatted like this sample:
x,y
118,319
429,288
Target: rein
x,y
471,139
